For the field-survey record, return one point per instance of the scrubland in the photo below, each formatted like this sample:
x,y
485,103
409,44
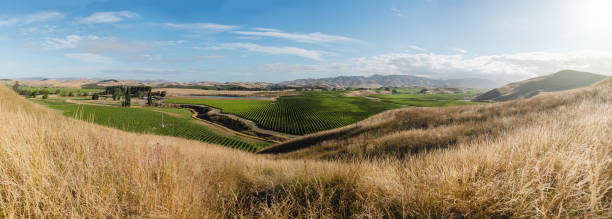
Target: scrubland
x,y
545,156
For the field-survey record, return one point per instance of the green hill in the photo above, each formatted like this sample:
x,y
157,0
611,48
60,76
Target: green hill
x,y
563,80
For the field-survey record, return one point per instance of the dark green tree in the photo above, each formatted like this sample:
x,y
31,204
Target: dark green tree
x,y
150,99
117,94
127,102
16,86
34,94
95,96
394,91
45,96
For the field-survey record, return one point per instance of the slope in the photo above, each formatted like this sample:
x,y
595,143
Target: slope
x,y
556,165
563,80
401,132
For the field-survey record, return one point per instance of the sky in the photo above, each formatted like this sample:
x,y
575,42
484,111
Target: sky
x,y
277,40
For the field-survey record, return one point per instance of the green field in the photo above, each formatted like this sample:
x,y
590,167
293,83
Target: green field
x,y
147,120
426,100
299,115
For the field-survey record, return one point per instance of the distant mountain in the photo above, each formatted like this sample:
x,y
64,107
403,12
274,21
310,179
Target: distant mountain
x,y
563,80
376,81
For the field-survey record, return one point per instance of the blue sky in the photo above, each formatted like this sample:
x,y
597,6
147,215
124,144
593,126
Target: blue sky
x,y
284,40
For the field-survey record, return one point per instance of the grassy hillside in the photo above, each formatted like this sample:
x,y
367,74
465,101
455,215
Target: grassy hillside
x,y
557,164
563,80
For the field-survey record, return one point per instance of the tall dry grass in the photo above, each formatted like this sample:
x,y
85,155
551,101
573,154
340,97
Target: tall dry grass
x,y
559,164
404,132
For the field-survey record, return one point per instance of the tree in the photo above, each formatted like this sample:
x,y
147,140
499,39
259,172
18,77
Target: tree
x,y
34,94
85,94
394,91
163,94
71,94
58,91
46,96
150,99
423,91
95,96
116,92
16,86
128,99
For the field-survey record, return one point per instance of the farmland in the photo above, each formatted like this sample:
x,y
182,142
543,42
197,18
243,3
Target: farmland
x,y
61,90
299,115
426,100
147,120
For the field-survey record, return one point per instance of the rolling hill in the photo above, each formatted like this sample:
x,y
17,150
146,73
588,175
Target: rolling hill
x,y
563,80
376,81
547,156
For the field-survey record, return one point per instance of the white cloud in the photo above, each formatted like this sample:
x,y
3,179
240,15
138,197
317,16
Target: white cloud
x,y
284,50
297,37
460,50
43,16
68,42
202,27
88,57
107,17
265,29
9,22
413,47
33,18
500,68
396,11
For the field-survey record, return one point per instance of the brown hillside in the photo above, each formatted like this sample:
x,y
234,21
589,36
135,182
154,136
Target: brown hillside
x,y
563,80
556,165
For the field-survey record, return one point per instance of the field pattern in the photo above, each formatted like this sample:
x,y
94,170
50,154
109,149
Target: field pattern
x,y
62,90
426,100
298,115
144,120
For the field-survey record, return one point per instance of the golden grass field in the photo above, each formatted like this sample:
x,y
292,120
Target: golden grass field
x,y
548,156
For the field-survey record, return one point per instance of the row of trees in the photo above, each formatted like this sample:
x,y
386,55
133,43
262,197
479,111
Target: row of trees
x,y
45,92
117,92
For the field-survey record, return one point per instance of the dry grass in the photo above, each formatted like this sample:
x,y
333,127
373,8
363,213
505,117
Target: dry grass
x,y
403,132
556,165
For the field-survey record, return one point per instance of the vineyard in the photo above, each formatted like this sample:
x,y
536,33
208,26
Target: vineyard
x,y
145,120
298,115
427,100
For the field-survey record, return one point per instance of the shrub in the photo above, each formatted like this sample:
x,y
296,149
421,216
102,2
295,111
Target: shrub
x,y
96,96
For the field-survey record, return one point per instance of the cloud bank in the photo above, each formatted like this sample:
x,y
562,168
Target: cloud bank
x,y
501,68
297,37
107,17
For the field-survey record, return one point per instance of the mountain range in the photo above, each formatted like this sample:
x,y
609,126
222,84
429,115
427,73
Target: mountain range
x,y
377,81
